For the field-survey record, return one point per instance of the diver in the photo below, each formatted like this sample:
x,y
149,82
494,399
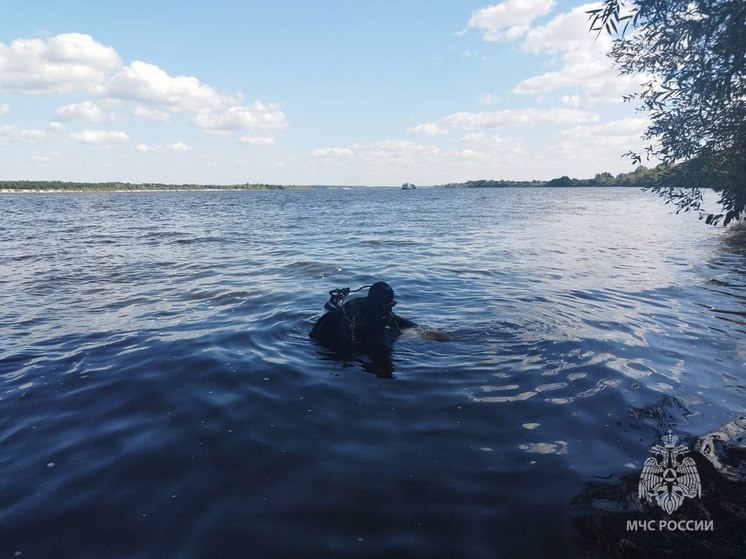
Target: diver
x,y
362,323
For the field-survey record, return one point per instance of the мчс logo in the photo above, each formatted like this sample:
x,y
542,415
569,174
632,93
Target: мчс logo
x,y
668,477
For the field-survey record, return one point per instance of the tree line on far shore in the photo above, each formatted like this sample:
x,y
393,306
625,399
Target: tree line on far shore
x,y
642,177
124,186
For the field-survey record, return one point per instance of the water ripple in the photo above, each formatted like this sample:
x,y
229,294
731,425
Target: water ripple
x,y
159,395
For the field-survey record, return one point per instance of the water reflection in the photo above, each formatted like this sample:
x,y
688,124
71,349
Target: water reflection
x,y
378,361
735,239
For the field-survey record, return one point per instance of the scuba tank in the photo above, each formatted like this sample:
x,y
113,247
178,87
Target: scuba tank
x,y
337,297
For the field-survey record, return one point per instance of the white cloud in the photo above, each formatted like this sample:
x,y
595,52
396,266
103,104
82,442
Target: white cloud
x,y
148,84
585,65
4,109
157,94
506,145
10,134
395,161
427,129
396,153
467,154
571,100
151,114
42,160
601,141
100,137
218,133
73,62
387,153
565,32
256,140
31,136
86,110
167,148
489,99
258,116
332,152
61,64
510,19
519,117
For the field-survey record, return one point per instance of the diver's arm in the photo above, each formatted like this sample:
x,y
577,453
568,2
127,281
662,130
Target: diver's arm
x,y
424,332
404,322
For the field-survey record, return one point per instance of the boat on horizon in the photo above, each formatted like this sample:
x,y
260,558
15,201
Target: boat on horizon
x,y
408,186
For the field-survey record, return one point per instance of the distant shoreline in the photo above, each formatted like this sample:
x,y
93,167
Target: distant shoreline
x,y
62,191
51,187
639,178
293,188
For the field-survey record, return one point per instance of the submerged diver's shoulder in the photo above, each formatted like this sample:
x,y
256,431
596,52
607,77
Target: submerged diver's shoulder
x,y
327,326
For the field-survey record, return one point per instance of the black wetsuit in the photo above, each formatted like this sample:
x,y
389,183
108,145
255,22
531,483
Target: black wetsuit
x,y
359,325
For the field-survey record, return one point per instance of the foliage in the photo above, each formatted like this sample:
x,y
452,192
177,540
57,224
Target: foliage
x,y
692,55
642,177
484,183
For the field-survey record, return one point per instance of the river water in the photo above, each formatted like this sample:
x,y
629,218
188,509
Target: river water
x,y
160,397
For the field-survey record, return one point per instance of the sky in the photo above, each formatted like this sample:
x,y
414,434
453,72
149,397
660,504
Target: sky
x,y
298,92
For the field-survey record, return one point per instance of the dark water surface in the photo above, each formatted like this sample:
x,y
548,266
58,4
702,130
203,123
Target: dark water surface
x,y
159,396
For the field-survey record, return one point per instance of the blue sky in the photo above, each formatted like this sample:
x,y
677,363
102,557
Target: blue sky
x,y
298,92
